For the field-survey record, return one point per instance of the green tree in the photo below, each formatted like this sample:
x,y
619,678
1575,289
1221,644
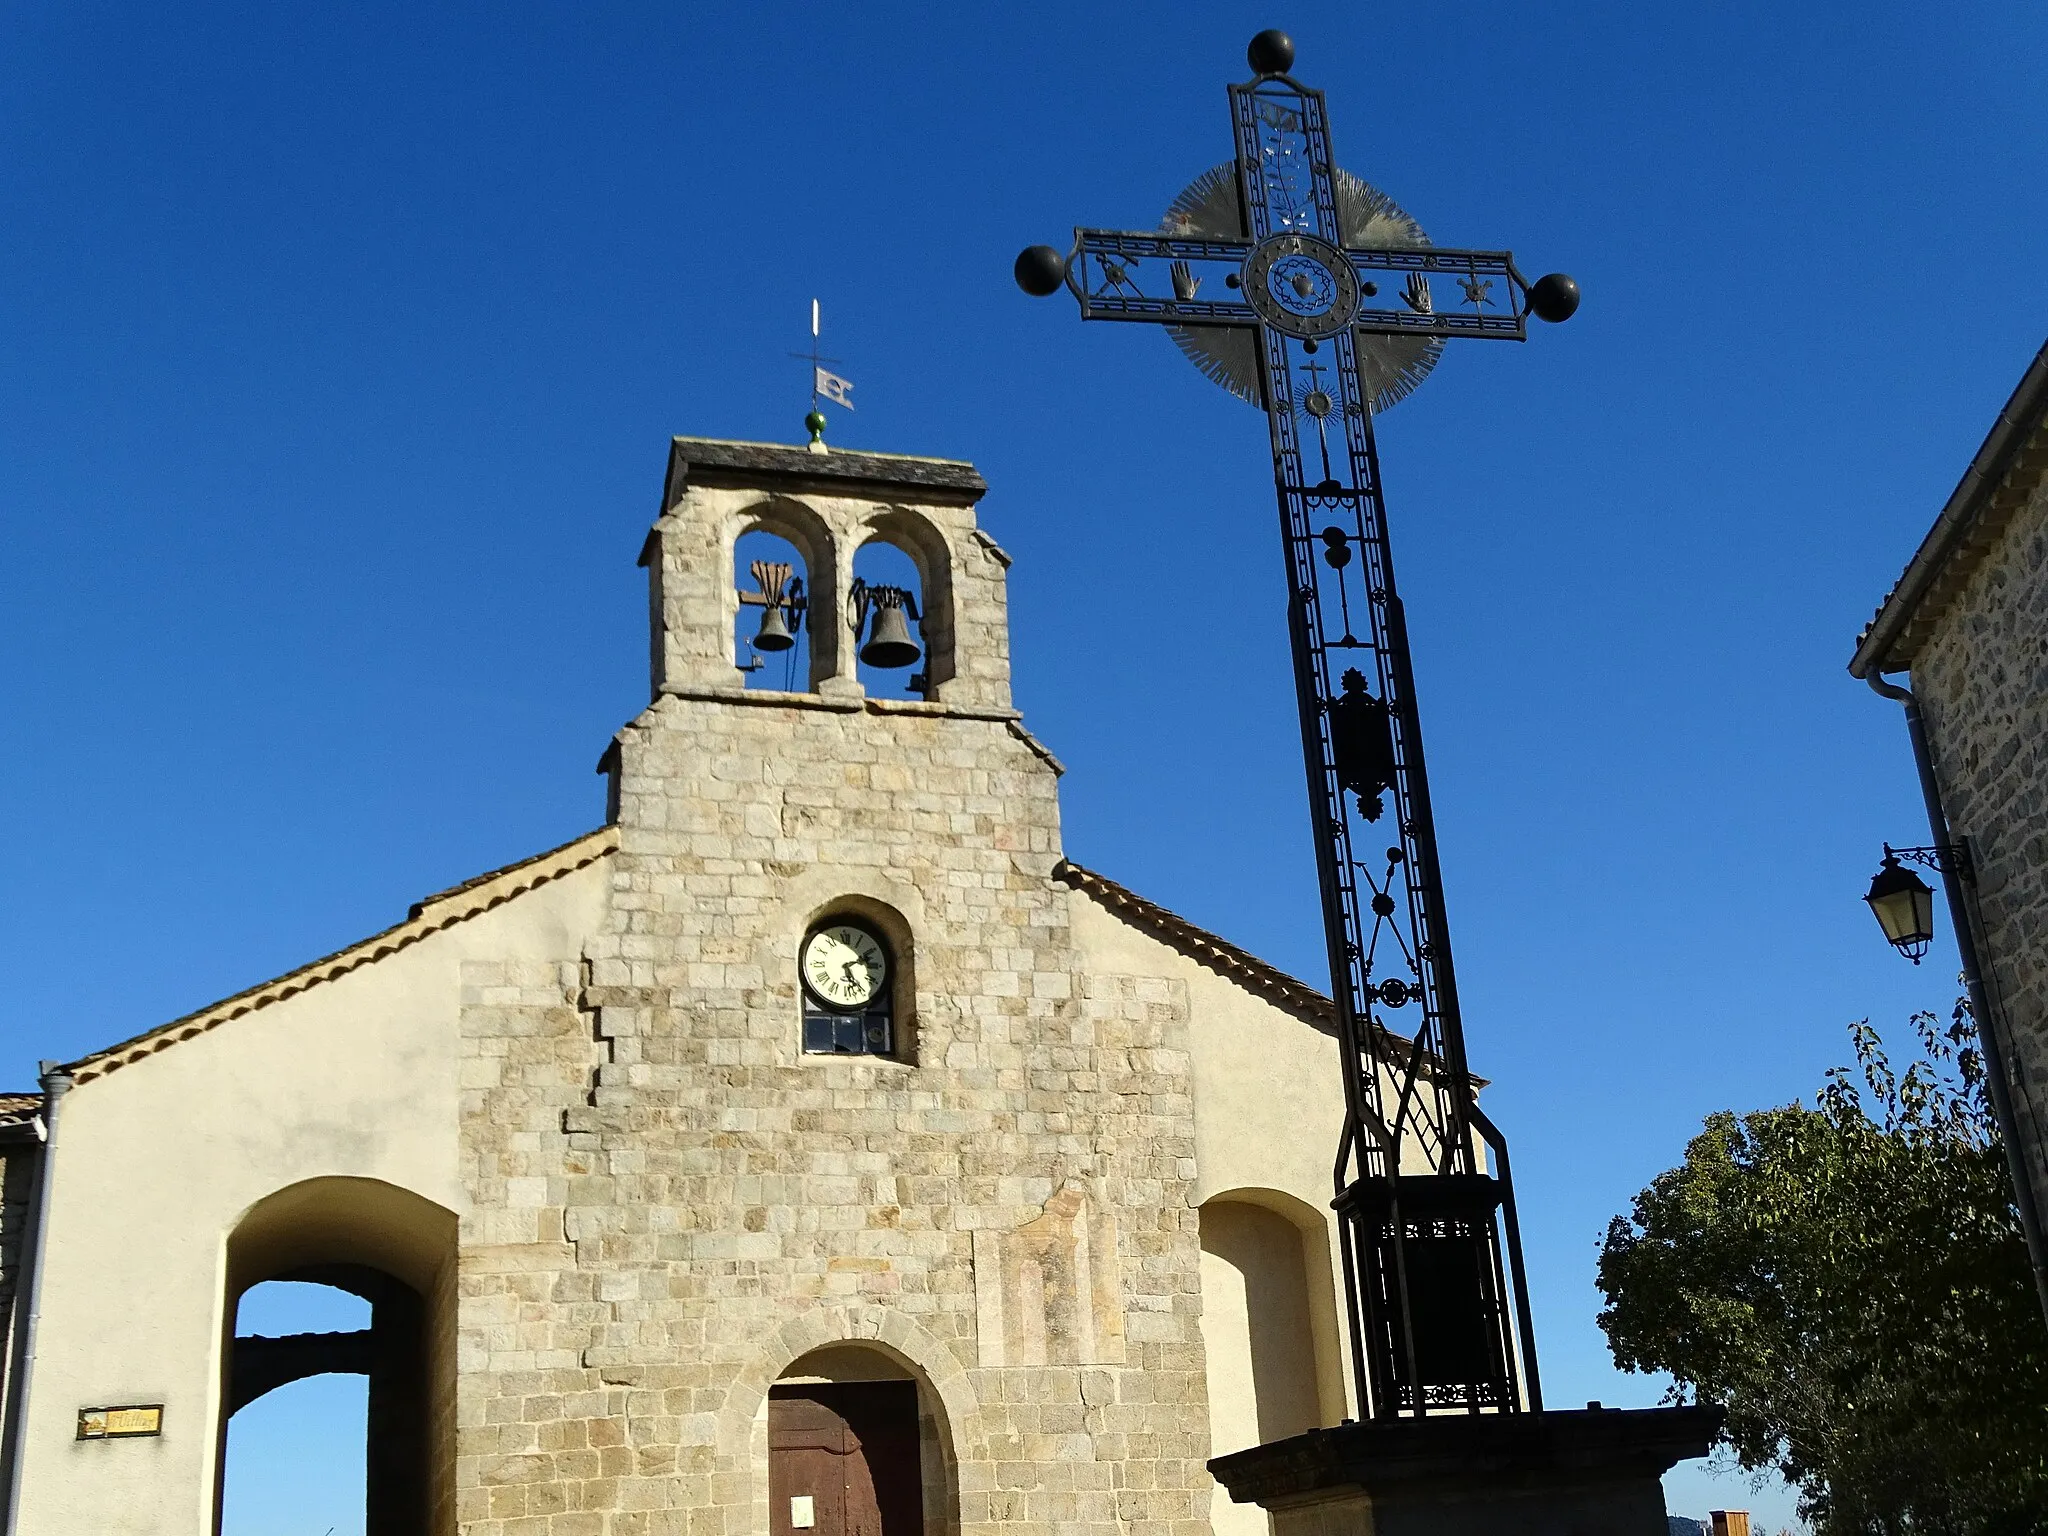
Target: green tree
x,y
1854,1292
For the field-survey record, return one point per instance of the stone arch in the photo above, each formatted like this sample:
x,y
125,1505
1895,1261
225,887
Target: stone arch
x,y
788,518
921,539
943,1383
396,1249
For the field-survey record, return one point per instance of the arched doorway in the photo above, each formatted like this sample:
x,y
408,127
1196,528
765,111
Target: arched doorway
x,y
395,1251
856,1447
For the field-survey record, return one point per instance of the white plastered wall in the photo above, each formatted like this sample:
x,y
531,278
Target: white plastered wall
x,y
356,1077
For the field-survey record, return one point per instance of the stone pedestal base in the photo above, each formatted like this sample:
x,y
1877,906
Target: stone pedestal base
x,y
1590,1472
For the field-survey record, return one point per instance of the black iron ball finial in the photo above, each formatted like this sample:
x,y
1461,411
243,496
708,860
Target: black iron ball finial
x,y
1040,270
1554,298
1271,52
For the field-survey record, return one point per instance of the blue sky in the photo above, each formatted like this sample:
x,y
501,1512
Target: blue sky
x,y
339,348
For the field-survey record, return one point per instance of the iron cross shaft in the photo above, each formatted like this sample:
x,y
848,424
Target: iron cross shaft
x,y
1269,273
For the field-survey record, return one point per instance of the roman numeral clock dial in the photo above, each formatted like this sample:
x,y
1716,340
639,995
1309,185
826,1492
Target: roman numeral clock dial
x,y
845,967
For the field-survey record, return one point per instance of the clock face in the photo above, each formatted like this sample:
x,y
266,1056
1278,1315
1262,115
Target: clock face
x,y
844,966
1301,285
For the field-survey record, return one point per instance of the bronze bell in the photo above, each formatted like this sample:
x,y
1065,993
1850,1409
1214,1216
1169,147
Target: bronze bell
x,y
773,635
889,643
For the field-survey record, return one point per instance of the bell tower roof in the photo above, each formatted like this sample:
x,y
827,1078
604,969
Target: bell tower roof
x,y
711,463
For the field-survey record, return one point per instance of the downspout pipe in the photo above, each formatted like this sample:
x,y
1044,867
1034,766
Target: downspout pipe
x,y
1962,918
56,1082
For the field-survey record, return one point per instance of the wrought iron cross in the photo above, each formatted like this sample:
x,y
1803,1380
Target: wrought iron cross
x,y
1268,273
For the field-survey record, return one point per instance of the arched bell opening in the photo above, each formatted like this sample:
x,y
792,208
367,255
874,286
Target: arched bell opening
x,y
886,616
859,1445
784,629
902,604
772,618
294,1262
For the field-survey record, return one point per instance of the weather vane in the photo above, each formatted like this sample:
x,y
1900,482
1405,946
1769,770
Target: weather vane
x,y
825,385
1304,290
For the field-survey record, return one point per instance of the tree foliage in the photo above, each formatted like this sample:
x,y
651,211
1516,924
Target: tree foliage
x,y
1849,1282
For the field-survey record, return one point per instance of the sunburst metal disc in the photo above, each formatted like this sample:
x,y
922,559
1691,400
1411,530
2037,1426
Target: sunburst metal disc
x,y
1389,367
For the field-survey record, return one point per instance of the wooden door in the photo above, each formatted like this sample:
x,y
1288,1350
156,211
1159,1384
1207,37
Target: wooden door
x,y
843,1460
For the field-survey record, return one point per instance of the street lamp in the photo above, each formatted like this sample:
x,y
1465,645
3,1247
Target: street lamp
x,y
1903,904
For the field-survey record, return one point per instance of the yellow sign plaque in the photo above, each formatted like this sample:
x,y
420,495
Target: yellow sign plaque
x,y
121,1423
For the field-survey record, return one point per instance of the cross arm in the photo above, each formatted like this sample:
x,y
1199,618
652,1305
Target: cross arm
x,y
1179,280
1486,297
1123,275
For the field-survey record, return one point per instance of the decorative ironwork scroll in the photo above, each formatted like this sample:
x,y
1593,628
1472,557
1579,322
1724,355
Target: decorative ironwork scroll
x,y
1323,305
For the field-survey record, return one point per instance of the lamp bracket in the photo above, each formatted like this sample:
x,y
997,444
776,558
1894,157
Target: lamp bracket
x,y
1946,858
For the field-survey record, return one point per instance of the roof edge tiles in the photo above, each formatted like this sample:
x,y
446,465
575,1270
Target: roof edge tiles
x,y
458,904
2006,471
718,464
18,1112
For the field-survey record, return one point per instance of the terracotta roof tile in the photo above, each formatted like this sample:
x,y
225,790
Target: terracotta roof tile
x,y
17,1109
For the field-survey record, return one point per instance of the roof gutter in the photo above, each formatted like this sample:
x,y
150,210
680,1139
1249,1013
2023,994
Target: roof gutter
x,y
2008,435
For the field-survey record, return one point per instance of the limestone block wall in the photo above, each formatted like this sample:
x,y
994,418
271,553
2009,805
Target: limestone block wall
x,y
668,1202
1982,679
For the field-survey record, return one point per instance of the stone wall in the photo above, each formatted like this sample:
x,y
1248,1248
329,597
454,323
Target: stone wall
x,y
1982,679
670,1202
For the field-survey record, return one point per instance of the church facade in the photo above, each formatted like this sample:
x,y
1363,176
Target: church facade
x,y
812,1147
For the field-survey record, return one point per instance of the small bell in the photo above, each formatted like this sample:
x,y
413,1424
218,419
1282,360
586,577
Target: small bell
x,y
889,643
773,634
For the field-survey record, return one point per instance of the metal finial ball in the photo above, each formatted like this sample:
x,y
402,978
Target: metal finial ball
x,y
1040,270
1554,298
814,423
1271,52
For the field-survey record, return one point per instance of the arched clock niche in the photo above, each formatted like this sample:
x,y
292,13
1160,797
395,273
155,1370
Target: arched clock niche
x,y
850,976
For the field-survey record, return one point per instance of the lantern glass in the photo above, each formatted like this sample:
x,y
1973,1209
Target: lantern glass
x,y
1903,904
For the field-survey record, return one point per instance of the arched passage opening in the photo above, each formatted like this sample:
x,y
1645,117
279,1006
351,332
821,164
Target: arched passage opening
x,y
394,1253
297,1446
1266,1344
858,1445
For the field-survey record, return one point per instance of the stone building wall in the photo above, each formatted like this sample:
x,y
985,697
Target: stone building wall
x,y
1982,679
670,1202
